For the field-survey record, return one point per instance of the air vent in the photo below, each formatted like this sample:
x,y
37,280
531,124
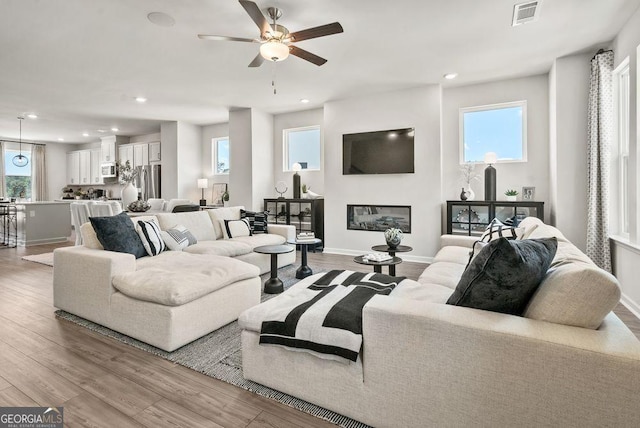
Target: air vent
x,y
525,12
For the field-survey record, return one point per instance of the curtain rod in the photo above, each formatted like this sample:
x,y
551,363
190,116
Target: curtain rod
x,y
23,142
601,51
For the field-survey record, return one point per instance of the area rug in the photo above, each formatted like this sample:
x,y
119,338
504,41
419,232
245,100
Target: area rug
x,y
44,259
219,355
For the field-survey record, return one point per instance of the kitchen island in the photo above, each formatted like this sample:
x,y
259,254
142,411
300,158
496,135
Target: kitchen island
x,y
43,222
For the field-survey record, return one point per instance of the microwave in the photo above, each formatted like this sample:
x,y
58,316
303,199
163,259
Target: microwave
x,y
109,170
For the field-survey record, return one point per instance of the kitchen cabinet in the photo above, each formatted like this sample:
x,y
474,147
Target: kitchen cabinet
x,y
108,149
85,167
95,171
140,154
125,153
154,152
73,168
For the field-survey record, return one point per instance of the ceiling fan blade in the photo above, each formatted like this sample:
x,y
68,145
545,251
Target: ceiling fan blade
x,y
257,16
312,33
257,61
226,38
306,55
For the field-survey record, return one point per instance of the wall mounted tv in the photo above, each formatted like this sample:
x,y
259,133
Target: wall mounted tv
x,y
380,152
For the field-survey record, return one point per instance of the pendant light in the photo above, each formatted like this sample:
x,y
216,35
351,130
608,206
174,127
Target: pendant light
x,y
20,160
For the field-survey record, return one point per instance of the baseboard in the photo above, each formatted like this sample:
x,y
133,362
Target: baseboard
x,y
630,304
33,242
405,256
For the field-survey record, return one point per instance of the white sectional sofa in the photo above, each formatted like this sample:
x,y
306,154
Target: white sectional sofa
x,y
568,362
175,297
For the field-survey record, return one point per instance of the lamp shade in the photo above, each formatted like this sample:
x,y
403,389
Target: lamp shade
x,y
274,50
296,167
490,157
203,183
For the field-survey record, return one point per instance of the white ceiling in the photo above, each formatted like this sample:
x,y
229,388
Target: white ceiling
x,y
79,64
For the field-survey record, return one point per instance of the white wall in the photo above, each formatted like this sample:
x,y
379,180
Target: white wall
x,y
418,108
169,156
188,161
534,172
240,157
262,184
299,119
56,161
568,105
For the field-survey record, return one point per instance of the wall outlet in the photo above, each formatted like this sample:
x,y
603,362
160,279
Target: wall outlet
x,y
32,213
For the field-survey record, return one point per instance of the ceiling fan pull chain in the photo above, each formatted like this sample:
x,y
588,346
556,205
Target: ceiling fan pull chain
x,y
273,78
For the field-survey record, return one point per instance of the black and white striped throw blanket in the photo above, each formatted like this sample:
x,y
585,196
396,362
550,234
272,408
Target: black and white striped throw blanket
x,y
325,318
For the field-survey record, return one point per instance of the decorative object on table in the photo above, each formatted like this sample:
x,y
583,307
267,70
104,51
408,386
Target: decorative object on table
x,y
379,217
463,195
281,188
218,190
490,176
203,183
225,195
20,160
528,193
312,195
139,206
468,175
512,195
376,257
305,189
296,180
393,236
466,219
305,236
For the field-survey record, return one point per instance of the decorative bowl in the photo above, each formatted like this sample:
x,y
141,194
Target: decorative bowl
x,y
139,206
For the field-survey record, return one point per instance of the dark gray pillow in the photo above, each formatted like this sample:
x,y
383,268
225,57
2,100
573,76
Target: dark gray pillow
x,y
504,275
117,233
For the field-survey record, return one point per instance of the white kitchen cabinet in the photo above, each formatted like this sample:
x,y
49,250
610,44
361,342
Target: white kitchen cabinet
x,y
140,154
73,168
154,152
96,171
108,149
85,167
125,153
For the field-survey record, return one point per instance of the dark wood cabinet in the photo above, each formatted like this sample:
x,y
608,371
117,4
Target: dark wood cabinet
x,y
307,215
472,217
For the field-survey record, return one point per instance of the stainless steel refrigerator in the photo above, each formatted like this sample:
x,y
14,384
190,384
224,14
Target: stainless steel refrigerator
x,y
148,181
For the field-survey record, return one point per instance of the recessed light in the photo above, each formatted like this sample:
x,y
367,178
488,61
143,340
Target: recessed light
x,y
450,76
32,116
141,99
60,139
161,19
304,101
102,131
114,129
85,134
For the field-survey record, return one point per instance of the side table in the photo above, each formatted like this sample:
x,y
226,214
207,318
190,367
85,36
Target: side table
x,y
392,252
304,270
273,285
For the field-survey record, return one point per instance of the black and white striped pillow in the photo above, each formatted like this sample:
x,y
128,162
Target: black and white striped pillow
x,y
235,228
178,238
257,220
151,237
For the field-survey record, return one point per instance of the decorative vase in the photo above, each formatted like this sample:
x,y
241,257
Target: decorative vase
x,y
470,194
463,195
129,194
393,237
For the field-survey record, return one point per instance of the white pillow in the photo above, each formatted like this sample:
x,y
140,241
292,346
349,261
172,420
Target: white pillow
x,y
235,228
178,238
149,232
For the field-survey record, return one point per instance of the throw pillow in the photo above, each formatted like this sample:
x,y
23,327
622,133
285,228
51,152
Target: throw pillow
x,y
178,238
235,228
117,233
257,220
504,275
512,221
496,229
149,232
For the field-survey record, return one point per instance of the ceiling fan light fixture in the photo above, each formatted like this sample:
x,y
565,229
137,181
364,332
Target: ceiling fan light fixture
x,y
274,50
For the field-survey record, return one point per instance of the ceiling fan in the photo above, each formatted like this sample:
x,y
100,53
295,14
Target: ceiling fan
x,y
276,40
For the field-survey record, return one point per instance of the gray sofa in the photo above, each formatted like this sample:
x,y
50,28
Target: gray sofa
x,y
569,361
175,297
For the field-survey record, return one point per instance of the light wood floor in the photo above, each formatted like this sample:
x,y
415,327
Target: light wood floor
x,y
104,383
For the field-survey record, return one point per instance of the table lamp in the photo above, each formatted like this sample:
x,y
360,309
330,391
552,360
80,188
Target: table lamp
x,y
490,176
203,183
296,180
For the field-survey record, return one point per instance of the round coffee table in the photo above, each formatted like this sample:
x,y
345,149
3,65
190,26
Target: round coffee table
x,y
273,285
304,270
377,266
392,252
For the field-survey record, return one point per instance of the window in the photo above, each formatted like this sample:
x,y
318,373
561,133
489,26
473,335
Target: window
x,y
301,145
621,166
220,152
17,179
498,128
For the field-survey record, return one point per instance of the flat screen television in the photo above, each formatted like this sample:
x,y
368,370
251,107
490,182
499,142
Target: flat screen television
x,y
380,152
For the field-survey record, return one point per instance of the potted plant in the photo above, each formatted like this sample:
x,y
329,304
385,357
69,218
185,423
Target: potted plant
x,y
305,195
511,195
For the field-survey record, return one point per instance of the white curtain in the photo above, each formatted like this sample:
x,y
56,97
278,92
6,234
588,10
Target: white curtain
x,y
600,135
2,183
38,173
